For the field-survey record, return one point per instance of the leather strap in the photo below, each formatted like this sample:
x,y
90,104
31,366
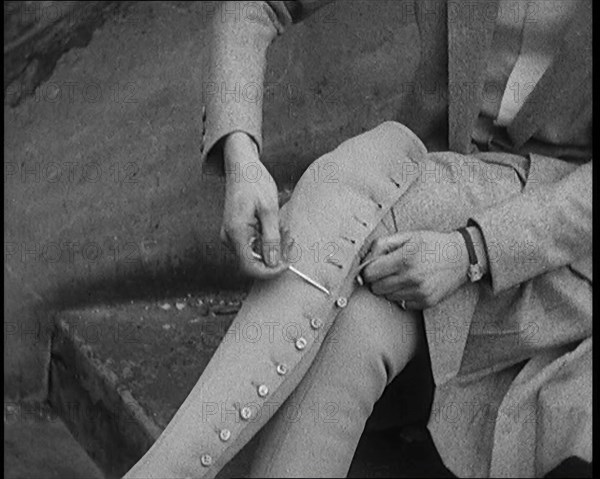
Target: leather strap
x,y
470,246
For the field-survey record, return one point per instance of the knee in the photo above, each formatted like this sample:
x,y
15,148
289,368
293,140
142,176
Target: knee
x,y
376,332
364,315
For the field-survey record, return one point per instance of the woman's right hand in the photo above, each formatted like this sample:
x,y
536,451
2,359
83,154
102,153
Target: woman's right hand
x,y
251,209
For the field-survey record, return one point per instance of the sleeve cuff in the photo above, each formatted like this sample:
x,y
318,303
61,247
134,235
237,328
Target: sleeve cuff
x,y
212,150
510,261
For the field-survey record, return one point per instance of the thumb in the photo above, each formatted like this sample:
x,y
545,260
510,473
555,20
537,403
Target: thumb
x,y
269,221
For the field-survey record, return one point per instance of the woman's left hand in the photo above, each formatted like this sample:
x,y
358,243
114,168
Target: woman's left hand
x,y
417,269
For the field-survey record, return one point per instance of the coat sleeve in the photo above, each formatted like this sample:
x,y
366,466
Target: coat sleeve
x,y
538,231
239,35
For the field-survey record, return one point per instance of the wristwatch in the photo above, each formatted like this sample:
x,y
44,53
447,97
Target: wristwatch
x,y
475,272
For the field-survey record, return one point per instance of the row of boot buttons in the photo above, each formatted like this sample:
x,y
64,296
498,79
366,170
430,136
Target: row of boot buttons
x,y
263,390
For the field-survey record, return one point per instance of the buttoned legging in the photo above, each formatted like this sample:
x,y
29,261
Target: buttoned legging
x,y
316,431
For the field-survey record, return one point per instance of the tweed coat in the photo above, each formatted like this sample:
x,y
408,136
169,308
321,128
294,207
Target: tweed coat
x,y
511,359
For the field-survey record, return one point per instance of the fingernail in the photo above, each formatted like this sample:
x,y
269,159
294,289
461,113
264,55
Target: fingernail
x,y
273,258
288,251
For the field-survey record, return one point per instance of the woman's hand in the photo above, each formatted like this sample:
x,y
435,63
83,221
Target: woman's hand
x,y
420,267
251,209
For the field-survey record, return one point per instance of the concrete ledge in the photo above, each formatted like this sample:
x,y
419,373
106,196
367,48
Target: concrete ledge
x,y
37,444
104,417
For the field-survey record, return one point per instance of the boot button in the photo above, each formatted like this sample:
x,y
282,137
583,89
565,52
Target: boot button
x,y
206,460
224,435
246,413
263,390
341,302
300,344
316,323
281,369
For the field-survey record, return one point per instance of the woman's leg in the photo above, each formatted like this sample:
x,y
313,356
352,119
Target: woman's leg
x,y
316,431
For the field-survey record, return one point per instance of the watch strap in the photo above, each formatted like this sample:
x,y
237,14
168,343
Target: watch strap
x,y
470,246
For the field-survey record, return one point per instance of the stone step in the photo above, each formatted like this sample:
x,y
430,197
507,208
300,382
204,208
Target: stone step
x,y
37,445
119,372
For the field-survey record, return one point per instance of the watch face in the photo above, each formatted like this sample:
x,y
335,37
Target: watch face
x,y
475,272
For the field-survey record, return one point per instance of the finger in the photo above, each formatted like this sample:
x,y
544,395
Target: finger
x,y
406,305
382,267
386,244
269,220
258,270
384,258
407,295
387,285
241,235
252,264
287,245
